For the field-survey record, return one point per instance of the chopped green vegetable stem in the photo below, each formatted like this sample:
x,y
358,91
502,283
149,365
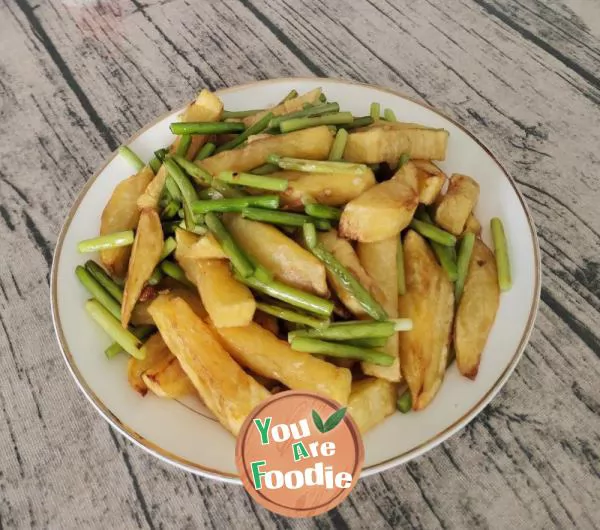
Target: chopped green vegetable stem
x,y
465,251
351,284
375,110
339,145
283,218
322,211
255,128
362,121
501,253
188,192
433,233
175,271
352,330
113,328
253,181
292,316
108,241
170,210
238,258
233,114
317,166
155,277
388,115
183,145
309,112
210,127
131,157
236,204
205,151
168,247
296,124
290,95
344,351
310,235
290,295
199,174
404,403
97,291
265,169
100,275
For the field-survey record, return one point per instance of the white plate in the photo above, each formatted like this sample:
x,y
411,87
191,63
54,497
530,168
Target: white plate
x,y
182,433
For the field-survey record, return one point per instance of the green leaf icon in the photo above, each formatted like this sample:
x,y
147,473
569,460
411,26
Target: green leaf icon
x,y
333,420
317,421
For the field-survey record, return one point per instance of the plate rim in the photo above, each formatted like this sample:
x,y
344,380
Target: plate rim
x,y
208,472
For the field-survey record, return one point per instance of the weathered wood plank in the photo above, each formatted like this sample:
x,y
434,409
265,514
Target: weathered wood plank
x,y
519,73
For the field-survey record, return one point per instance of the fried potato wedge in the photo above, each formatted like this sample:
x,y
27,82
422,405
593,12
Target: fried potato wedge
x,y
151,196
145,255
228,391
387,144
472,225
262,352
430,179
332,189
378,259
429,302
207,107
284,258
313,143
121,213
346,255
454,208
384,210
371,401
168,380
291,105
141,316
477,309
156,354
193,246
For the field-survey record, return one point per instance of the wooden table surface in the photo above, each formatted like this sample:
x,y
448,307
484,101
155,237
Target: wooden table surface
x,y
78,77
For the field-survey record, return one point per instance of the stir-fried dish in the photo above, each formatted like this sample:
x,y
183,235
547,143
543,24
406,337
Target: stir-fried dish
x,y
295,247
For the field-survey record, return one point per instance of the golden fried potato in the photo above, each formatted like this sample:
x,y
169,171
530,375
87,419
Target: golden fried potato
x,y
371,401
141,316
431,180
284,258
331,189
378,260
193,246
262,352
384,210
151,196
168,380
145,255
291,105
346,255
206,107
156,353
229,392
429,302
472,225
453,209
388,143
121,213
477,309
313,143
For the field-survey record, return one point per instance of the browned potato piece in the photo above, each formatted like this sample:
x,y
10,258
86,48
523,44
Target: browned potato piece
x,y
331,189
313,143
145,255
284,258
121,213
156,353
378,260
258,349
472,225
266,321
476,310
345,254
431,180
141,316
386,144
454,207
429,302
371,401
384,210
152,193
291,105
168,379
229,392
193,246
207,107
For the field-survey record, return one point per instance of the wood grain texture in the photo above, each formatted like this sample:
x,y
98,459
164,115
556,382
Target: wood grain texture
x,y
77,78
